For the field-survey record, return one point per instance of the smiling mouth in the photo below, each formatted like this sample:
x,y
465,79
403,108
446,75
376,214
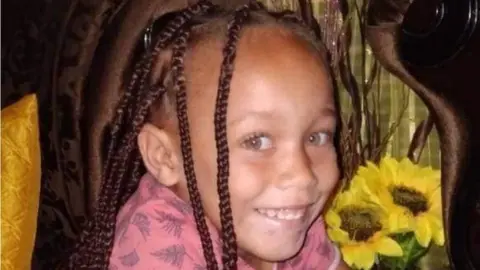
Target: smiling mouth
x,y
283,214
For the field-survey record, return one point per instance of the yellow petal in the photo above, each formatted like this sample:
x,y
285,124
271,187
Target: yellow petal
x,y
348,254
417,183
333,219
431,177
435,201
370,176
439,237
407,172
388,247
437,230
371,170
367,187
341,200
364,257
354,193
400,221
374,192
384,200
434,220
338,235
388,171
423,232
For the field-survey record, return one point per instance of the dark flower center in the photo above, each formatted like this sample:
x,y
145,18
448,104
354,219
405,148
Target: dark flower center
x,y
412,199
359,222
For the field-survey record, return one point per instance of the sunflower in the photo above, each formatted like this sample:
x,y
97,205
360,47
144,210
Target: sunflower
x,y
410,193
360,229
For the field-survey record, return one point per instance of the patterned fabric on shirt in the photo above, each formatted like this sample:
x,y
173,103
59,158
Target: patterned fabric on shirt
x,y
157,230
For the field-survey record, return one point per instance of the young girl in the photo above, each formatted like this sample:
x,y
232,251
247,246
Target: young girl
x,y
247,190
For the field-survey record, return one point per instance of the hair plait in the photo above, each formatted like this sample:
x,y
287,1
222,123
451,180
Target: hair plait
x,y
229,244
178,70
123,166
123,162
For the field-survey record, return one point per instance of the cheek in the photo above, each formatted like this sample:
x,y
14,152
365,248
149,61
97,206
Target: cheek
x,y
205,169
206,178
329,184
247,181
327,173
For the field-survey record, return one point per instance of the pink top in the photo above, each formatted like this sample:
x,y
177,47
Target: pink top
x,y
156,230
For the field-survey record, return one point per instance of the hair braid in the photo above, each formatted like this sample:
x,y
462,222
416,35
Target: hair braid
x,y
142,70
162,42
229,245
139,110
172,28
178,70
130,147
98,250
124,167
294,18
106,225
94,245
143,67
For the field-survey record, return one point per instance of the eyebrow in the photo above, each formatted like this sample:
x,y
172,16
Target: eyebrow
x,y
325,112
251,114
328,112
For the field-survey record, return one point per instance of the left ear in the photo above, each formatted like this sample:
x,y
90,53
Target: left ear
x,y
159,156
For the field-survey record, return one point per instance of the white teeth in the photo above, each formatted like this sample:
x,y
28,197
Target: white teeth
x,y
271,213
286,214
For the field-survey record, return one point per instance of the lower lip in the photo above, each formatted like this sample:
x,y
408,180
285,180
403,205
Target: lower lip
x,y
297,224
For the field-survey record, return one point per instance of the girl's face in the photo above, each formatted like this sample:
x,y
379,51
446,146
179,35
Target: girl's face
x,y
280,124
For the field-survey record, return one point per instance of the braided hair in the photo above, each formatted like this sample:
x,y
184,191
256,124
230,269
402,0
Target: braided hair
x,y
142,99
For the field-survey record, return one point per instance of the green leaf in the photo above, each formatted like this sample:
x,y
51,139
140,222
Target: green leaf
x,y
412,252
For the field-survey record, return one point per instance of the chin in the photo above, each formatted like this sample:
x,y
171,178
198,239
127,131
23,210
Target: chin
x,y
279,253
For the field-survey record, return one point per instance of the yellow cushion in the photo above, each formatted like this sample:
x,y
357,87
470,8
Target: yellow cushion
x,y
20,183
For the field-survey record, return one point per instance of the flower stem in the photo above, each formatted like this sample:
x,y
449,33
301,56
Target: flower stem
x,y
412,253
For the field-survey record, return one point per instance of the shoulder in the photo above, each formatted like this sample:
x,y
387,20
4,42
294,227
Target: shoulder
x,y
156,232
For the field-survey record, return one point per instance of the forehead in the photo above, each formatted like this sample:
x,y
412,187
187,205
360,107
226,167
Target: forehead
x,y
272,66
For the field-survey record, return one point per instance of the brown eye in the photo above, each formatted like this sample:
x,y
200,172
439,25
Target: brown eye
x,y
319,138
258,143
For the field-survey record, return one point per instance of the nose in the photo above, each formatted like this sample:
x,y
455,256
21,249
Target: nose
x,y
297,171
